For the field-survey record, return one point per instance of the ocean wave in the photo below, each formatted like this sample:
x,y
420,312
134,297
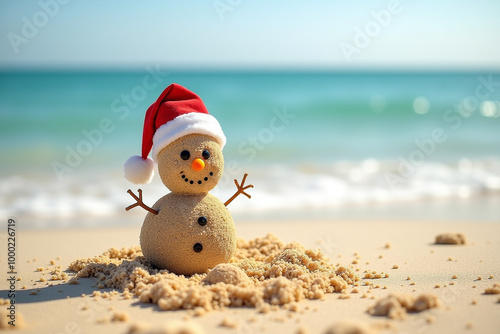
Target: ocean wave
x,y
276,187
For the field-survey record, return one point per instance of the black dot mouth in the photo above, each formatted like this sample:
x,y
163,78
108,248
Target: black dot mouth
x,y
187,180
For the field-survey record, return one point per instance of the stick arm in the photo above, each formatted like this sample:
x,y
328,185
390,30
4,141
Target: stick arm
x,y
240,190
139,202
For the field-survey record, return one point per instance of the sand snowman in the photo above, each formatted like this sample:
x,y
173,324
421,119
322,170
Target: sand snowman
x,y
187,231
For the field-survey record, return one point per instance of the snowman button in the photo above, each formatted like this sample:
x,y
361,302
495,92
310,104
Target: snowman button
x,y
198,247
202,221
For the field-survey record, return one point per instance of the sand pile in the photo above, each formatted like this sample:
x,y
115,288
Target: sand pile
x,y
174,327
396,306
494,290
450,239
17,321
349,327
191,327
264,273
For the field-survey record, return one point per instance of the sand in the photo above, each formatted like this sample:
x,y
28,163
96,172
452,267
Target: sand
x,y
264,273
450,239
50,304
397,306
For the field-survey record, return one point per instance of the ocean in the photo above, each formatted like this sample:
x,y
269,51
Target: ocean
x,y
316,145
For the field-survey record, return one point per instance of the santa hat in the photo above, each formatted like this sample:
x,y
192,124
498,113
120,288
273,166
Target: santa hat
x,y
177,112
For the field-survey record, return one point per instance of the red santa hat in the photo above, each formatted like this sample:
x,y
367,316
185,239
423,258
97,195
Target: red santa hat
x,y
177,112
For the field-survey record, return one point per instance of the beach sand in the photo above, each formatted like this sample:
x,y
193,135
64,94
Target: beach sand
x,y
406,251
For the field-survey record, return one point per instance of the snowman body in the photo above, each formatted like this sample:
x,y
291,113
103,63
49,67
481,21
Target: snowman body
x,y
189,235
193,231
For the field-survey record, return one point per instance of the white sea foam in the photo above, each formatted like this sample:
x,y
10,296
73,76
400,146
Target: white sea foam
x,y
295,189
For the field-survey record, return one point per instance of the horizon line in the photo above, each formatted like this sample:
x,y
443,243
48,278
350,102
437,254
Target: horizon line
x,y
247,69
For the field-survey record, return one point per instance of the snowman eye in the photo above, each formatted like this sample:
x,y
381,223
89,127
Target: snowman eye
x,y
205,154
185,155
198,247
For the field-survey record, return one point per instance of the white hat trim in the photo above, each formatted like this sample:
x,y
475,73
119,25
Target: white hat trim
x,y
187,124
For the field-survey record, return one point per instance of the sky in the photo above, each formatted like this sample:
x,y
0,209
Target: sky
x,y
256,34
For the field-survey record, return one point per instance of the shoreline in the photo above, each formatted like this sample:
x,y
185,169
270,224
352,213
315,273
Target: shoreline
x,y
478,209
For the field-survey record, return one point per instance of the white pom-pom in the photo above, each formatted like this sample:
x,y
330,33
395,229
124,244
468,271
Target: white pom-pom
x,y
139,170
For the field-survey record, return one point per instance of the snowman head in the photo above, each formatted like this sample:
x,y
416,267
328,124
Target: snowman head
x,y
192,164
179,120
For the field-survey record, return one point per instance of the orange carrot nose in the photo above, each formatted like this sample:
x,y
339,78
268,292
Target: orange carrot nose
x,y
198,165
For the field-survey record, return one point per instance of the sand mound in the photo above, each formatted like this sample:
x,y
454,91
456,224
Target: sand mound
x,y
450,239
347,327
396,306
226,273
174,327
264,273
494,290
18,323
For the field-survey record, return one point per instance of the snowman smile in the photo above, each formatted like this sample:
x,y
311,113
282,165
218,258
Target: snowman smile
x,y
194,181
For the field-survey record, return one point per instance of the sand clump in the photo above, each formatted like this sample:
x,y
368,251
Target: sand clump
x,y
120,316
450,239
229,323
173,327
5,319
349,327
226,273
396,306
264,273
494,290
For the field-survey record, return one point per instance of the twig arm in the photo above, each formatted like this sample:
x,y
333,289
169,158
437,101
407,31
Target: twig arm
x,y
139,202
240,189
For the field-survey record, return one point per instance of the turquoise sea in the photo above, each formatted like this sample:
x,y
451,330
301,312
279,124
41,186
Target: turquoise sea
x,y
316,145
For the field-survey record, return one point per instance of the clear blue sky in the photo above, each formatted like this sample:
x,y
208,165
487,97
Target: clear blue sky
x,y
250,33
